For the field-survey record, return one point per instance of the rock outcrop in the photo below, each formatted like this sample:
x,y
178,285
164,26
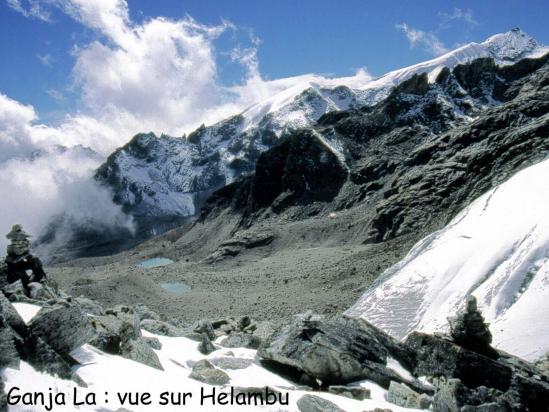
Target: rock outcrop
x,y
62,326
439,356
401,395
3,397
206,346
204,371
312,403
9,357
320,352
334,351
47,341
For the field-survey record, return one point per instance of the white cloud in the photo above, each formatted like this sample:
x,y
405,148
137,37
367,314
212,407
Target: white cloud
x,y
30,8
457,14
45,59
15,120
40,180
55,95
428,41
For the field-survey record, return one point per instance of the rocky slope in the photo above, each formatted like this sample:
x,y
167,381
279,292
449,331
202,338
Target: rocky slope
x,y
416,158
169,176
309,363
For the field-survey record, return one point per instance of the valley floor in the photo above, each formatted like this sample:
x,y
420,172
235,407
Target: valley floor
x,y
264,283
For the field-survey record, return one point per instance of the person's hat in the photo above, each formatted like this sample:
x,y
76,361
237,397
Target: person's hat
x,y
17,233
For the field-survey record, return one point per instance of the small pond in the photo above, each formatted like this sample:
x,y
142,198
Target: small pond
x,y
155,262
177,288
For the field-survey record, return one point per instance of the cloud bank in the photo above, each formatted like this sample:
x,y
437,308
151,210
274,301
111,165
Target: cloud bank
x,y
157,75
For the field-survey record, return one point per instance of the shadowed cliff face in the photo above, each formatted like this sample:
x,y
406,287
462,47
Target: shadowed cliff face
x,y
301,170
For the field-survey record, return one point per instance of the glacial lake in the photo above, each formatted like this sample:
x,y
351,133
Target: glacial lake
x,y
177,288
155,262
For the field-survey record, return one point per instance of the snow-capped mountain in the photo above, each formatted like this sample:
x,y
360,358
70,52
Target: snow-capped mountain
x,y
168,176
496,249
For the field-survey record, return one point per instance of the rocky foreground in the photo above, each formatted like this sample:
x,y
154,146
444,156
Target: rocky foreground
x,y
320,355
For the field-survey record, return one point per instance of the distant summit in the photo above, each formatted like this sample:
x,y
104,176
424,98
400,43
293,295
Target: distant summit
x,y
507,48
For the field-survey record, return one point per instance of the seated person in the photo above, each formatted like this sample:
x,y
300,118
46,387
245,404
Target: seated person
x,y
19,259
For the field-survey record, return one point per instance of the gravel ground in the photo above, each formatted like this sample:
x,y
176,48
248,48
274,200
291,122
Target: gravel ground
x,y
302,269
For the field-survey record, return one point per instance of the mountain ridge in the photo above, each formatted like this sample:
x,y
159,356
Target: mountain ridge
x,y
190,167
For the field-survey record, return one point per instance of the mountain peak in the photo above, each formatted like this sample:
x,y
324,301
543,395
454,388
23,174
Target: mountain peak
x,y
513,45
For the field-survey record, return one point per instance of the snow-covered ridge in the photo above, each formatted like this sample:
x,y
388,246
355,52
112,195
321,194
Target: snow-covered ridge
x,y
496,249
504,48
164,176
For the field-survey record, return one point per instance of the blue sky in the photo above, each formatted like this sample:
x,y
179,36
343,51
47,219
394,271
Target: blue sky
x,y
296,37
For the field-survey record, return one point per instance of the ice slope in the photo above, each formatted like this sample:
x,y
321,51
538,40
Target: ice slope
x,y
109,373
496,249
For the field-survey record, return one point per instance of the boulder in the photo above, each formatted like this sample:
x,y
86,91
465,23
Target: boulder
x,y
206,346
162,328
402,395
154,343
120,310
133,346
243,322
130,330
241,340
64,327
453,396
204,371
35,351
39,291
144,312
216,324
14,290
204,326
543,364
10,315
3,273
530,392
525,394
334,350
89,306
107,333
438,356
354,392
313,403
485,407
231,363
3,398
8,352
264,329
140,351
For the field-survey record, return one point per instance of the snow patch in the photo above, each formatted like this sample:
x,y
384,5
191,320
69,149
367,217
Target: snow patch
x,y
27,311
